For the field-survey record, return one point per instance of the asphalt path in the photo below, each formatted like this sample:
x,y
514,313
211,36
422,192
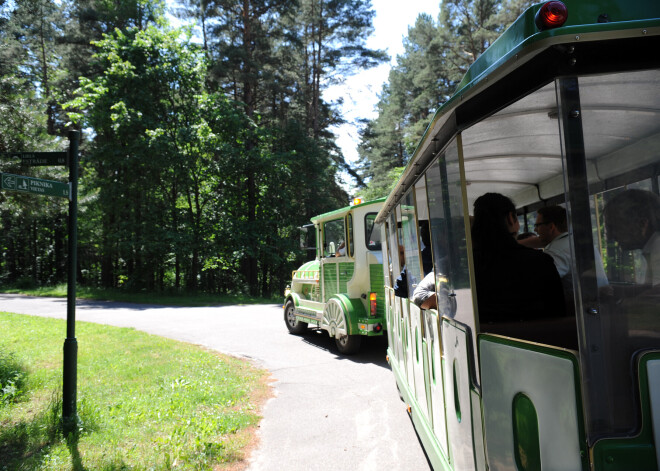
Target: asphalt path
x,y
328,411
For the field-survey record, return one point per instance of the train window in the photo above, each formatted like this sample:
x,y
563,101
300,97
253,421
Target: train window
x,y
621,128
372,232
439,218
449,238
351,248
516,151
410,242
386,251
526,220
393,246
333,238
424,233
399,256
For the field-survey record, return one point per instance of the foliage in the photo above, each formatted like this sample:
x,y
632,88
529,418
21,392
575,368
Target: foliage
x,y
198,163
12,378
164,298
174,405
436,56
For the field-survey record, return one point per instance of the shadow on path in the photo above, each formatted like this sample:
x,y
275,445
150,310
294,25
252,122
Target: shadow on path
x,y
372,349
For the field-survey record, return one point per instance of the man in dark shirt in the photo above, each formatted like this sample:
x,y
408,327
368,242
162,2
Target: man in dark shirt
x,y
513,282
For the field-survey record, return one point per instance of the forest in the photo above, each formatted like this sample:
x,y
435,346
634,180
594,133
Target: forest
x,y
205,146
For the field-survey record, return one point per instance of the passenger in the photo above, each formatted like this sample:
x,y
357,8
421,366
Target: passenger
x,y
513,282
434,293
424,295
401,283
427,257
632,218
552,229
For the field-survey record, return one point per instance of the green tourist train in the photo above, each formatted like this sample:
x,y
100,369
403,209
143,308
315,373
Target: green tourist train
x,y
563,110
341,291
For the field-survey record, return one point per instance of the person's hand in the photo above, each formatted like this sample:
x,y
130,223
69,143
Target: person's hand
x,y
430,303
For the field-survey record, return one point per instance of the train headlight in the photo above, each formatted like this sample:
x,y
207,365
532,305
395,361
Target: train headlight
x,y
551,15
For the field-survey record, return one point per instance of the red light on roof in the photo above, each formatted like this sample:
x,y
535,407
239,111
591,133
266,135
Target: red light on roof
x,y
551,15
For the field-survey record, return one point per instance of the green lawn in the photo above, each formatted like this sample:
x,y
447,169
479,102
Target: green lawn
x,y
144,402
170,299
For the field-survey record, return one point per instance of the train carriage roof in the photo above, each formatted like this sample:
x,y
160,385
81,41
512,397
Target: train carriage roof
x,y
515,150
342,211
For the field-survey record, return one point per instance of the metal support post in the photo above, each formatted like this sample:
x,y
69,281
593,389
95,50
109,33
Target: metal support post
x,y
70,365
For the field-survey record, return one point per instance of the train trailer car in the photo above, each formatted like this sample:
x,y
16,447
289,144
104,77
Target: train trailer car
x,y
342,290
532,356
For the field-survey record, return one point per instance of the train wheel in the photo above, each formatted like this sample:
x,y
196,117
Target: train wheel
x,y
294,325
334,321
348,344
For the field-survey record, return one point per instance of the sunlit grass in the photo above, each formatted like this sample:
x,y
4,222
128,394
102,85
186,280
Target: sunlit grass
x,y
169,298
144,402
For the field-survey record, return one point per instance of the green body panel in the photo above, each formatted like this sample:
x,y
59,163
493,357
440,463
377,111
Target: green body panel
x,y
377,285
330,280
370,321
346,270
307,270
305,282
635,453
354,309
306,311
336,277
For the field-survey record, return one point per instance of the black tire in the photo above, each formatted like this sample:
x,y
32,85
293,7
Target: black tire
x,y
348,344
294,325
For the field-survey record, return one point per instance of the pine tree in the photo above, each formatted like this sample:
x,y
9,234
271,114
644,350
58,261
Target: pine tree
x,y
436,57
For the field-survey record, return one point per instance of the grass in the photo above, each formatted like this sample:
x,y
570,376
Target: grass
x,y
144,402
168,299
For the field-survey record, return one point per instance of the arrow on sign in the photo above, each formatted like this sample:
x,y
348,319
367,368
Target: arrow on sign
x,y
9,182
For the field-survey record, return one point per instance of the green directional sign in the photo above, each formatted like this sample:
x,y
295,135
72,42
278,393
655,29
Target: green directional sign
x,y
34,185
38,158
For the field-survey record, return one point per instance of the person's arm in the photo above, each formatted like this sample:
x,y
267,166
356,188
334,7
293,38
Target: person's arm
x,y
430,303
424,294
533,242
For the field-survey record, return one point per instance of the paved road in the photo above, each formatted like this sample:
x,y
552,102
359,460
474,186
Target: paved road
x,y
328,412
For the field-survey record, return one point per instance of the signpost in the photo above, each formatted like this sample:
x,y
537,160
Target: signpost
x,y
39,186
70,366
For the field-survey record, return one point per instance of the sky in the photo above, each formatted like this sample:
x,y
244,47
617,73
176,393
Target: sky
x,y
360,91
